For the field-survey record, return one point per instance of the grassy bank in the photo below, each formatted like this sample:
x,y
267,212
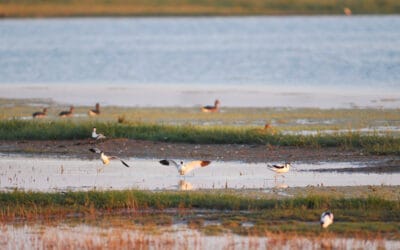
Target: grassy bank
x,y
19,203
67,130
71,8
352,215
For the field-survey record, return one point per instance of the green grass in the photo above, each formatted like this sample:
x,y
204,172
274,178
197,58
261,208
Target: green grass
x,y
282,119
68,130
352,215
44,8
232,125
19,203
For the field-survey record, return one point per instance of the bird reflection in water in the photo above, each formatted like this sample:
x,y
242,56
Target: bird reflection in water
x,y
184,185
280,184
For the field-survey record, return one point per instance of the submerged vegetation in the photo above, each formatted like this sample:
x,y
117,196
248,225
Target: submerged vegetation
x,y
43,8
230,209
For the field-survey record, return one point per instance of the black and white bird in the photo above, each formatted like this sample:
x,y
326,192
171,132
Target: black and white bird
x,y
105,158
326,219
280,168
97,136
185,168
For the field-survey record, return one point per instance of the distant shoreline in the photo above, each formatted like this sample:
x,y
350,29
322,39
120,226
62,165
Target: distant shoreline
x,y
180,95
123,8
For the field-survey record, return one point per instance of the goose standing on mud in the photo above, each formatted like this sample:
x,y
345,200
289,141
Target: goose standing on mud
x,y
209,109
280,169
67,113
96,111
40,114
97,136
185,168
105,158
326,219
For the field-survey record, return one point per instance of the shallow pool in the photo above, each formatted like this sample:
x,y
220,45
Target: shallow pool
x,y
83,236
55,174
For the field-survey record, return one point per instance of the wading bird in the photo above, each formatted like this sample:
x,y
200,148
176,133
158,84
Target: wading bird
x,y
97,136
105,158
67,113
96,111
280,168
40,114
326,219
208,109
185,168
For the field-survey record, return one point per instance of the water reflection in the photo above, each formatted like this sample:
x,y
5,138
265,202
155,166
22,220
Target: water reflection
x,y
54,174
280,184
83,236
184,185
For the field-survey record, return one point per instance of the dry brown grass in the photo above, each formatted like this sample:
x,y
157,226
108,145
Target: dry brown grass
x,y
63,8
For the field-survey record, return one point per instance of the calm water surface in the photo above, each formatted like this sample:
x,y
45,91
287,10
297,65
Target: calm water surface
x,y
359,51
82,236
54,174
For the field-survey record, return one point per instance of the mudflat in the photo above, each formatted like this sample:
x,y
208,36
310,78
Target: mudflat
x,y
221,152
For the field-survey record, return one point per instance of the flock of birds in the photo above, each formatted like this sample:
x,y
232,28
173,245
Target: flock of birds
x,y
96,111
183,168
67,113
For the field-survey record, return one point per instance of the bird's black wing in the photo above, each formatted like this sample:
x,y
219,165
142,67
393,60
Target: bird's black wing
x,y
95,150
164,162
125,164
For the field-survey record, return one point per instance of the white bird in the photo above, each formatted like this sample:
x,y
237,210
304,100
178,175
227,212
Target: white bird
x,y
105,158
97,136
185,168
326,219
280,168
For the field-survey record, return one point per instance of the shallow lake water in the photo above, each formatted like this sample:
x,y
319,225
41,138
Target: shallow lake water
x,y
57,174
82,236
301,61
316,51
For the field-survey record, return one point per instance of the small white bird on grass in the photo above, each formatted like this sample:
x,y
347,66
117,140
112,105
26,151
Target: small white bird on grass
x,y
97,136
106,159
326,219
185,168
280,168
